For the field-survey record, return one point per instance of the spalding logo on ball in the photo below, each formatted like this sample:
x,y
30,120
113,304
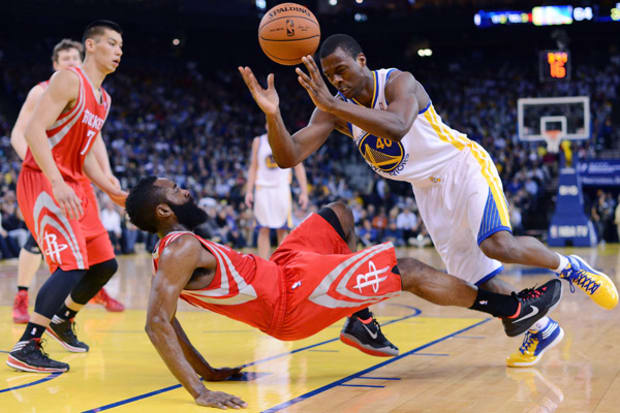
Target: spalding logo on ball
x,y
287,32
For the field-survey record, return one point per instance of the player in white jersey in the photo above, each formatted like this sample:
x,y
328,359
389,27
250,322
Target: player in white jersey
x,y
391,119
269,188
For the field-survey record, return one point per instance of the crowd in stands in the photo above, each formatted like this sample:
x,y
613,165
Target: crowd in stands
x,y
196,127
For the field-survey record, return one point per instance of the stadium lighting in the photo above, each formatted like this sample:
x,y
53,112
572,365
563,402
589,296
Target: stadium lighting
x,y
176,42
261,4
333,2
359,1
425,52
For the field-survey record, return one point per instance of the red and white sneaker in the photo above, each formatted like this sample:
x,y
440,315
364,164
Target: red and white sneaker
x,y
108,302
20,308
29,356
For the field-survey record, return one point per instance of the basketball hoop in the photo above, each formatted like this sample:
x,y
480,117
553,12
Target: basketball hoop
x,y
553,138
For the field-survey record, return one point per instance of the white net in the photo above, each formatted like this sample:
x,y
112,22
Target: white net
x,y
553,139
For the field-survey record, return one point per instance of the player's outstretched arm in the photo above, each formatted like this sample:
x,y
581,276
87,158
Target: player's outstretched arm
x,y
392,123
176,266
288,150
18,139
61,92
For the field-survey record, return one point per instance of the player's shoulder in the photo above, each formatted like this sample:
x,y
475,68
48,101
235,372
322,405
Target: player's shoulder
x,y
396,76
66,80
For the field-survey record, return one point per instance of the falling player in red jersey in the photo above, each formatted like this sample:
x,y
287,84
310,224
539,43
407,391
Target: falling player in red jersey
x,y
66,54
64,220
312,280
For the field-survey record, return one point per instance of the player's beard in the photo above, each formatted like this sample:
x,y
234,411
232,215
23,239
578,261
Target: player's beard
x,y
189,214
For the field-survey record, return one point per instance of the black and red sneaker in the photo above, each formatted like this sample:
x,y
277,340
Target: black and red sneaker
x,y
29,356
534,304
366,336
64,332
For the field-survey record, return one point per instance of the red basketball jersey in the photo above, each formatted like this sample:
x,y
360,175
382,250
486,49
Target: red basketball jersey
x,y
74,132
245,287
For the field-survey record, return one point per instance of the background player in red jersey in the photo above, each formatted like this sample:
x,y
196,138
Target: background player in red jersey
x,y
318,281
61,133
67,53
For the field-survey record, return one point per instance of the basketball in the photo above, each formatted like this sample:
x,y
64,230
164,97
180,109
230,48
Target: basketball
x,y
287,32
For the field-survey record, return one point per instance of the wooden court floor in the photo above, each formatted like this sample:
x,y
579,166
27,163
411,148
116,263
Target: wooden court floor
x,y
451,360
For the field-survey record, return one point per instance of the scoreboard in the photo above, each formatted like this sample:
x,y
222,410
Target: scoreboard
x,y
554,65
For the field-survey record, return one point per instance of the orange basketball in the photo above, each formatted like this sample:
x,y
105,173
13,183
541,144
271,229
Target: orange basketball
x,y
287,32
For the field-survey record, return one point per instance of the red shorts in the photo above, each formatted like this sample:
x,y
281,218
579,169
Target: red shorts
x,y
325,281
70,244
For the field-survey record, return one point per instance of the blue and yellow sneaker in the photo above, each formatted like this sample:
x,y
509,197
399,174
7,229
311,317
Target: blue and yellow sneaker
x,y
595,284
535,344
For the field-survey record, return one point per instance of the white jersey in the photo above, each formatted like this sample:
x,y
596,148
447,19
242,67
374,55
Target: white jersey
x,y
268,173
422,152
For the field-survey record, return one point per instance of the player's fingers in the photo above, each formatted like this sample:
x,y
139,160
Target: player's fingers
x,y
311,66
302,74
271,84
304,84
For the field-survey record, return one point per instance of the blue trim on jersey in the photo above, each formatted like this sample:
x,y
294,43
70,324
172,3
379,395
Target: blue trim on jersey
x,y
387,76
425,109
491,222
490,275
375,92
350,128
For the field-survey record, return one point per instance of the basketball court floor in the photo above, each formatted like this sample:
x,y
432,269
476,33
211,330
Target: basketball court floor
x,y
452,360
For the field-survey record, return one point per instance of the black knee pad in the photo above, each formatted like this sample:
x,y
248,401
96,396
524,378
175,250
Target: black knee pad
x,y
55,290
95,278
31,246
330,216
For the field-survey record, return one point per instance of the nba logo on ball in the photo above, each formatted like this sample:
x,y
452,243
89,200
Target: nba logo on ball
x,y
290,27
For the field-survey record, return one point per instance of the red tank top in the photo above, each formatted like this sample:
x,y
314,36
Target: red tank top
x,y
74,132
245,287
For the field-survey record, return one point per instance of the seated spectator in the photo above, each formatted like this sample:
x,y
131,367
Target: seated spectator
x,y
394,235
111,220
367,234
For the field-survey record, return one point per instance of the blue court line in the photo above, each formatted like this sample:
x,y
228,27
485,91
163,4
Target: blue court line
x,y
2,351
378,378
472,337
361,385
375,367
416,312
21,386
431,354
325,351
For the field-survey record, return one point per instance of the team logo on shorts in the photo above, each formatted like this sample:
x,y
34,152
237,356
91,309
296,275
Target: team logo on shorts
x,y
371,278
381,153
53,247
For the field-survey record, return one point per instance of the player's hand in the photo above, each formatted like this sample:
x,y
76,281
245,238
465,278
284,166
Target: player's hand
x,y
221,374
67,200
303,201
267,99
220,400
249,199
315,85
118,197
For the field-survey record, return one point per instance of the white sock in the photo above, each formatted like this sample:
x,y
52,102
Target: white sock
x,y
563,263
539,325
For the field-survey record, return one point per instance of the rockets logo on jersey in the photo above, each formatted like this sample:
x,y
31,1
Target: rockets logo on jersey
x,y
382,154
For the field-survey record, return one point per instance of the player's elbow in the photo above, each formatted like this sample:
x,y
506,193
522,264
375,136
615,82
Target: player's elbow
x,y
285,162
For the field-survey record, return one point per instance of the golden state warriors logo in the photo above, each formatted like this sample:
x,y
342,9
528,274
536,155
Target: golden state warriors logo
x,y
270,162
381,153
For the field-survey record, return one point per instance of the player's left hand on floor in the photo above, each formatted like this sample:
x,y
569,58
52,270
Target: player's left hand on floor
x,y
220,400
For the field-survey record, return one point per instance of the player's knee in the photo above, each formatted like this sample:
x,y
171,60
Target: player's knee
x,y
102,272
499,246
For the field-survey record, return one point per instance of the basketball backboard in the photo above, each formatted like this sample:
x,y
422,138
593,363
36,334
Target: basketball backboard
x,y
569,115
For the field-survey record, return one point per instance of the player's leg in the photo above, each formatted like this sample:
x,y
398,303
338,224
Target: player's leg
x,y
361,329
281,233
518,311
263,242
505,247
27,266
62,325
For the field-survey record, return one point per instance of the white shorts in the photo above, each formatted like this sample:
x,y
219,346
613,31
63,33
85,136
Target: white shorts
x,y
272,206
461,207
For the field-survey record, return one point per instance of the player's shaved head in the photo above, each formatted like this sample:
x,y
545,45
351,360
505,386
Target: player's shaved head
x,y
141,204
342,41
98,27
